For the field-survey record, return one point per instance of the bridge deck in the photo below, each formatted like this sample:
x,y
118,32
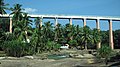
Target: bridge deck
x,y
69,17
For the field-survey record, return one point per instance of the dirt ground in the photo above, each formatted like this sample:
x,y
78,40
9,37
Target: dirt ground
x,y
68,62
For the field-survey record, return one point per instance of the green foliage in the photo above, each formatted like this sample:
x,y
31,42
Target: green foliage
x,y
17,48
2,38
42,40
47,37
73,43
4,24
96,36
57,47
117,39
86,36
3,7
17,13
104,37
105,52
51,45
37,22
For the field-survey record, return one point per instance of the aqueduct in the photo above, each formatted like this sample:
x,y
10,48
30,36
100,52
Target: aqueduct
x,y
84,18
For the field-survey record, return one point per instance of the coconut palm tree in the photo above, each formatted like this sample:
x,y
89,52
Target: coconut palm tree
x,y
68,34
105,37
26,22
58,33
86,36
48,28
17,12
77,36
17,15
40,37
3,21
20,22
96,37
37,22
3,7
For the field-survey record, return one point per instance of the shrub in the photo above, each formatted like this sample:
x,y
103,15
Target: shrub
x,y
73,43
51,45
104,52
17,48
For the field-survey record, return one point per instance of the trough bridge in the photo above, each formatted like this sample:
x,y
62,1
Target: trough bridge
x,y
110,19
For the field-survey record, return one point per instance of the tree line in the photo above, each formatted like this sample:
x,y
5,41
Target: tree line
x,y
26,40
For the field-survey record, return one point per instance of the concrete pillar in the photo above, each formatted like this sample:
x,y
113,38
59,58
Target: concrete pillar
x,y
98,27
56,22
70,21
84,21
41,19
111,35
97,24
10,29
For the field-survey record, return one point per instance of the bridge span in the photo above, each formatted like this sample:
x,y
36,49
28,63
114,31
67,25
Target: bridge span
x,y
110,19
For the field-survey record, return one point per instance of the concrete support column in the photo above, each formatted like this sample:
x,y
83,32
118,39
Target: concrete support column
x,y
84,21
70,20
41,19
98,27
97,24
111,35
10,29
56,22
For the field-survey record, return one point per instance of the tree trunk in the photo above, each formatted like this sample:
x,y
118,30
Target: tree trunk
x,y
85,45
98,45
27,39
56,37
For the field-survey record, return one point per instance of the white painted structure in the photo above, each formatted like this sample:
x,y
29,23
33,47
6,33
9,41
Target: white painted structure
x,y
84,18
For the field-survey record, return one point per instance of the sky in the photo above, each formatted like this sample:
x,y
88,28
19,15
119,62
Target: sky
x,y
73,7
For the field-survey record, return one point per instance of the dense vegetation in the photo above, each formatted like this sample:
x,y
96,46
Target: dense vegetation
x,y
26,40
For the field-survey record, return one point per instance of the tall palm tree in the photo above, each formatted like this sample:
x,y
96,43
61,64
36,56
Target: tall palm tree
x,y
17,12
58,32
86,36
69,29
23,27
77,35
105,37
96,37
42,36
37,22
17,15
20,22
48,28
3,21
26,24
3,7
